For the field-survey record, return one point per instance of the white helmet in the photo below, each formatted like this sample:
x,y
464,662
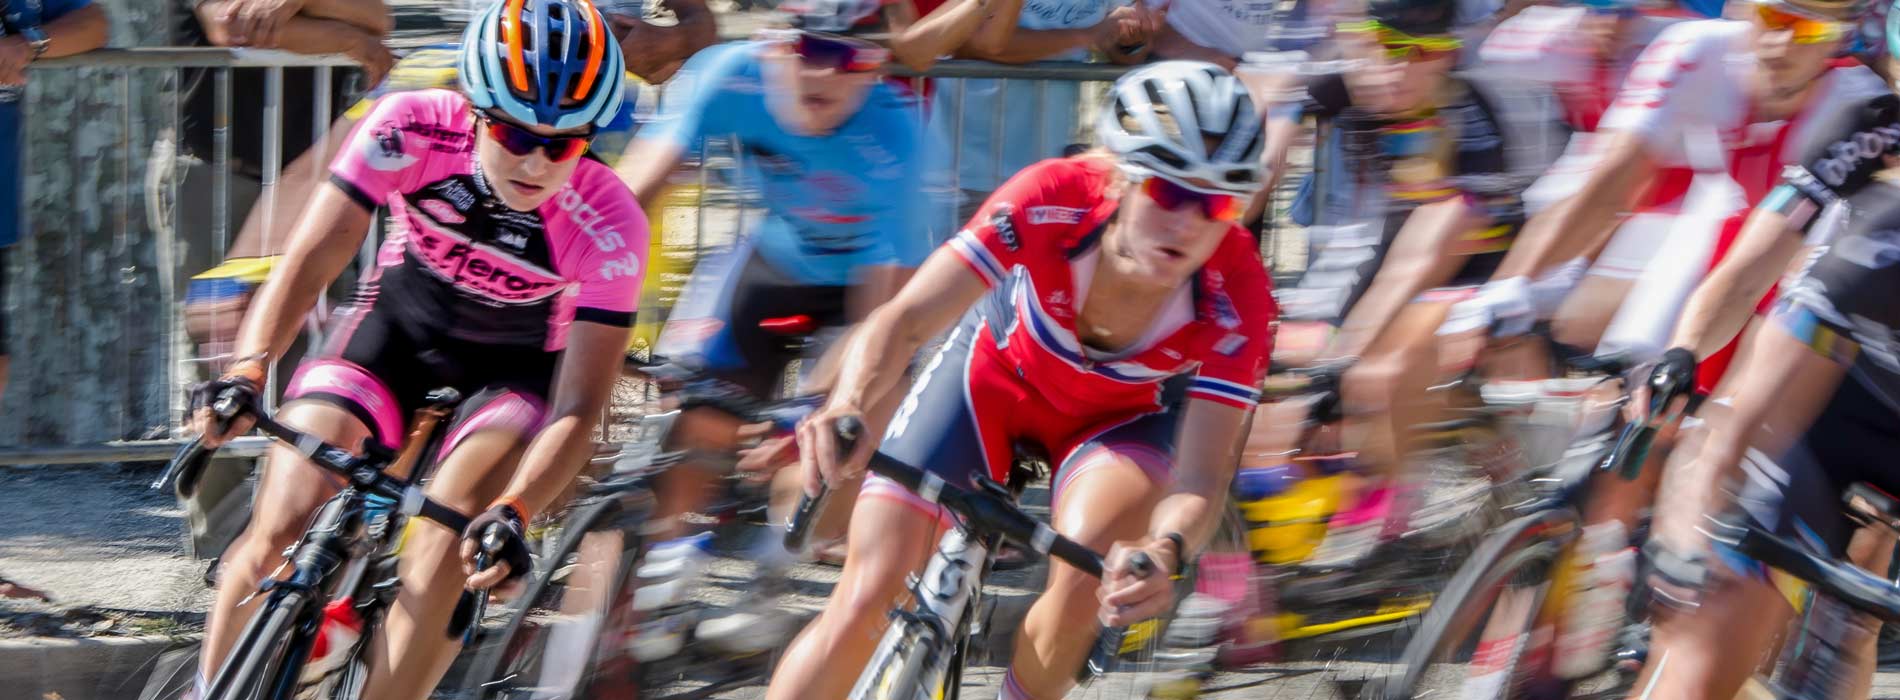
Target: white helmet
x,y
1189,121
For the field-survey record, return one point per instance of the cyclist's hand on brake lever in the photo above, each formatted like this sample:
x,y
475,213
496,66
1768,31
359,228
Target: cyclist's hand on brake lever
x,y
820,454
1137,582
1677,365
501,532
240,385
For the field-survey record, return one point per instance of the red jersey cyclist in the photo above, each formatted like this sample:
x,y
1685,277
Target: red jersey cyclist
x,y
511,272
1103,278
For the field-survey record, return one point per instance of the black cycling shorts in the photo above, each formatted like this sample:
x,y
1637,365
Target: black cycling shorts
x,y
380,371
1798,494
715,329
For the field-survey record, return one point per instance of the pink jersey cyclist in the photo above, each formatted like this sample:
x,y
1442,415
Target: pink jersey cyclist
x,y
466,291
1014,370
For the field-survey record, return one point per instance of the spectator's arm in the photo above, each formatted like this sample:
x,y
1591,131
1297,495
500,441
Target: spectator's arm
x,y
308,36
654,52
645,167
1027,45
368,15
76,32
918,43
1171,45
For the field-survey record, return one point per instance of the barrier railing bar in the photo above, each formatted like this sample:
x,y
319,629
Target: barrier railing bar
x,y
1039,70
996,136
193,57
215,57
268,186
221,169
956,153
126,451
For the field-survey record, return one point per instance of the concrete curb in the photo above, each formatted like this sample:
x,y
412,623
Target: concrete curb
x,y
98,668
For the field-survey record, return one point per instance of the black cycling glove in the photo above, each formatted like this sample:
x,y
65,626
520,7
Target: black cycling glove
x,y
503,525
238,384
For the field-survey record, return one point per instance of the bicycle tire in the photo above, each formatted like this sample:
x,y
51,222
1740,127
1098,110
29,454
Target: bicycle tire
x,y
1522,552
512,652
897,673
266,642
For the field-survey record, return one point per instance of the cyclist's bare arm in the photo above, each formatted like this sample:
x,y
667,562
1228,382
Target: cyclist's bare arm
x,y
1280,135
936,297
1419,260
582,388
1580,225
323,243
1724,302
918,43
1205,454
645,167
879,354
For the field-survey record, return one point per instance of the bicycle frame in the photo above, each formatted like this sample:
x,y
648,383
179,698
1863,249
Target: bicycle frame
x,y
946,596
339,535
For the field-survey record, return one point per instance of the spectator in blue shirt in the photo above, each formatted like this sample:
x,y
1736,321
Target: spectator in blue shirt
x,y
31,30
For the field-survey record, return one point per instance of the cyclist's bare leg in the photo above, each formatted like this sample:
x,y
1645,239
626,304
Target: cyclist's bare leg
x,y
412,649
1779,386
1387,394
289,490
888,541
1108,504
705,431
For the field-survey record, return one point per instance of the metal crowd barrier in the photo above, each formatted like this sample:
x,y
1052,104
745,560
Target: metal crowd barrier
x,y
714,193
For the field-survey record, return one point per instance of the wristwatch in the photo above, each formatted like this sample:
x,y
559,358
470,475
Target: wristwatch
x,y
36,39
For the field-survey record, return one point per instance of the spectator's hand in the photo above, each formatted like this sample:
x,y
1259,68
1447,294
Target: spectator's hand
x,y
653,53
1138,24
258,23
15,56
375,58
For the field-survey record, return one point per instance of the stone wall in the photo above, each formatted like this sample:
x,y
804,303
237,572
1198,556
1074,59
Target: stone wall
x,y
88,322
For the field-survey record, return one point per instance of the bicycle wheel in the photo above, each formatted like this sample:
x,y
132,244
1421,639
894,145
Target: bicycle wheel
x,y
566,637
1500,588
899,669
257,668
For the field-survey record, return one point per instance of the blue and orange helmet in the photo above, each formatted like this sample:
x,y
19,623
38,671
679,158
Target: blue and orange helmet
x,y
547,62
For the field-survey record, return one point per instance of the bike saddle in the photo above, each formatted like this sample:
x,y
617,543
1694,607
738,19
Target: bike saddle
x,y
1871,506
797,325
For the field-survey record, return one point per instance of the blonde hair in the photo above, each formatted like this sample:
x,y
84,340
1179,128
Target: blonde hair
x,y
1117,179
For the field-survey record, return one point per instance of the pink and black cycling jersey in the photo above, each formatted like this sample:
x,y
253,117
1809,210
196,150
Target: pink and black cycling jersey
x,y
458,263
1024,239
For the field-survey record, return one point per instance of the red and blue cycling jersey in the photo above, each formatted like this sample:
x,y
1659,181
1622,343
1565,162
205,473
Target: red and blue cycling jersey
x,y
1033,240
